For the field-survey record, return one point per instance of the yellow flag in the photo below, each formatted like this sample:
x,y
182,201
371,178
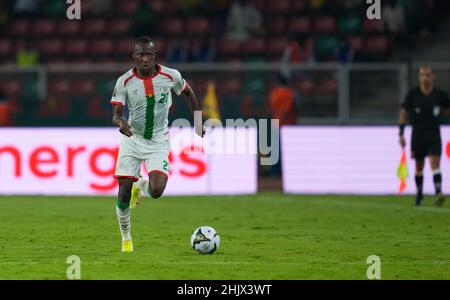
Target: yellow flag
x,y
402,172
210,103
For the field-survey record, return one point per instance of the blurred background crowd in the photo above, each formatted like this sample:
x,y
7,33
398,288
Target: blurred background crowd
x,y
37,31
36,37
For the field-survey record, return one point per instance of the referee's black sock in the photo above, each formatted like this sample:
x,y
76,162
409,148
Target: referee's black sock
x,y
437,178
419,184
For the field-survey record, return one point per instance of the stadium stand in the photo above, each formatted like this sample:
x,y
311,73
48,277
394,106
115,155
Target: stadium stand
x,y
318,31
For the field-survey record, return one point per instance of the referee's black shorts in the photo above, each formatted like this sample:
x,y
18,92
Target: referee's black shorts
x,y
423,145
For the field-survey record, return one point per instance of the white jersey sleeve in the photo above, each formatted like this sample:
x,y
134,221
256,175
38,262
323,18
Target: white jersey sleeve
x,y
179,84
119,95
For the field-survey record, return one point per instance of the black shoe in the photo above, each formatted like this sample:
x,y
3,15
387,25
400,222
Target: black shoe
x,y
440,198
419,200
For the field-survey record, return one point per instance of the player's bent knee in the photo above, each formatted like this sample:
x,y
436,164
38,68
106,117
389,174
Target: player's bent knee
x,y
156,192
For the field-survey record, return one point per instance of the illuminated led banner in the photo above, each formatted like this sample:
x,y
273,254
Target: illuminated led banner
x,y
351,160
75,161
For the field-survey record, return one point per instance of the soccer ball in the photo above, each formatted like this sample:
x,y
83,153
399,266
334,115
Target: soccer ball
x,y
205,240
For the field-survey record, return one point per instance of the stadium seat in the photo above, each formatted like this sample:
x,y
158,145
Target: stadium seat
x,y
279,6
199,85
356,43
198,26
20,44
373,26
276,46
44,27
298,6
58,87
6,47
328,86
349,24
325,24
325,47
83,87
229,48
230,86
255,46
173,26
12,88
76,47
68,27
260,5
128,7
300,25
305,86
101,47
157,6
277,25
19,27
124,46
95,27
379,44
51,46
119,26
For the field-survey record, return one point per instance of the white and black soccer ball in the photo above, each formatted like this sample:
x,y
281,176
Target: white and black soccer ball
x,y
205,240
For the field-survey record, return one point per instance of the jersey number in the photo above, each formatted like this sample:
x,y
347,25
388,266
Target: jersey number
x,y
165,166
164,98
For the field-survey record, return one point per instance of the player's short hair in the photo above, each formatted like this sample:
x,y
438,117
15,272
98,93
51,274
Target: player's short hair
x,y
143,40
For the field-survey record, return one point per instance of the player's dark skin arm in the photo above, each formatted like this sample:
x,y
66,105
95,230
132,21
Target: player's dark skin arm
x,y
119,121
403,120
192,101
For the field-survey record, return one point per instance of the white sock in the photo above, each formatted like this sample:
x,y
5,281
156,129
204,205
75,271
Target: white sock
x,y
144,185
124,216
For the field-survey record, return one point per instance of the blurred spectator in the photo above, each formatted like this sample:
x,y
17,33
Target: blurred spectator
x,y
282,107
344,53
100,7
394,17
292,52
282,103
203,51
9,108
27,56
4,110
244,20
26,7
178,51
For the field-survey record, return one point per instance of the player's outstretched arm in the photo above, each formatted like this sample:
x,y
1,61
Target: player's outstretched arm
x,y
402,121
119,121
192,101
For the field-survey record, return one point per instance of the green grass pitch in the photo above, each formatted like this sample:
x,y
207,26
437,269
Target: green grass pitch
x,y
263,236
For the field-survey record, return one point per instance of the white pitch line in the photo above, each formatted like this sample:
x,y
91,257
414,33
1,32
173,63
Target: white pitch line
x,y
361,204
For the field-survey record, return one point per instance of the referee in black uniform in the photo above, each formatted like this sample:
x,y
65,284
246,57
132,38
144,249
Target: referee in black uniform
x,y
423,106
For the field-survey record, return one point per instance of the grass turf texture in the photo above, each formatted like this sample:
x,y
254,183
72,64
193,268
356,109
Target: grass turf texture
x,y
264,236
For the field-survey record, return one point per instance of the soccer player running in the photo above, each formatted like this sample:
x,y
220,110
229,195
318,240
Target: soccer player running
x,y
424,105
146,90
